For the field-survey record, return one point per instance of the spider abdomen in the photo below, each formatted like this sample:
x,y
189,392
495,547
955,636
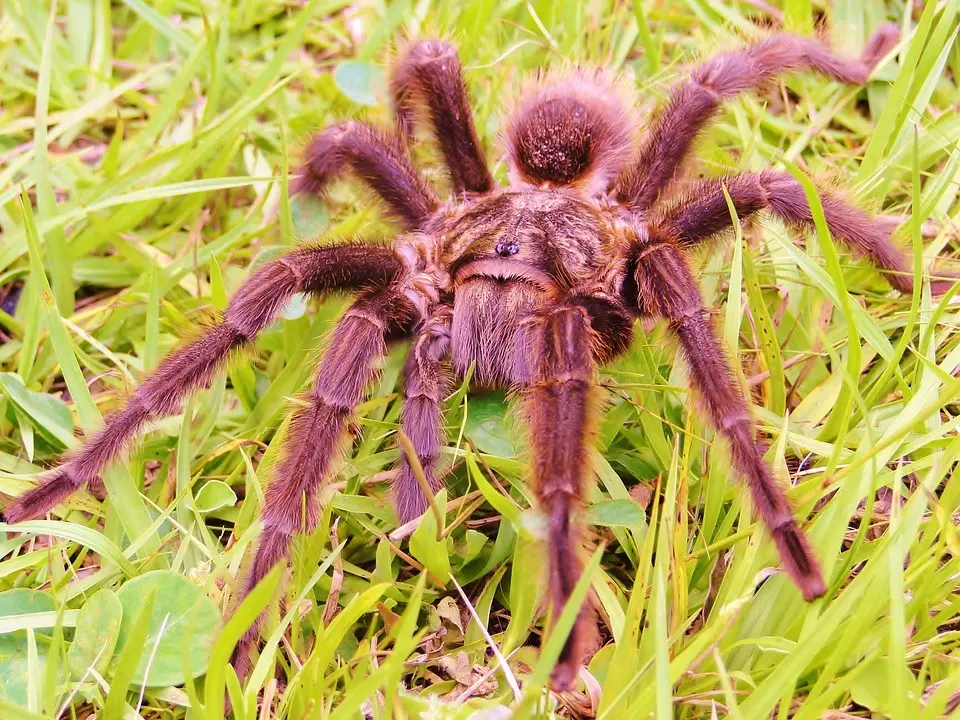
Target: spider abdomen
x,y
570,130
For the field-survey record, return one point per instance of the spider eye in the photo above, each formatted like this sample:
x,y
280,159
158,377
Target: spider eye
x,y
506,248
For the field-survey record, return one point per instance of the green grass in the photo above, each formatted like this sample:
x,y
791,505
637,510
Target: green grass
x,y
167,126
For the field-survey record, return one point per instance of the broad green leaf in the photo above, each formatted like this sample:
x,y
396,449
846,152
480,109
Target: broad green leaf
x,y
426,547
215,495
133,652
14,661
486,425
357,81
182,619
22,601
616,513
47,412
310,216
98,628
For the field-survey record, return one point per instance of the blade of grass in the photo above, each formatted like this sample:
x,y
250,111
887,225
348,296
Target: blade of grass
x,y
240,620
58,254
839,419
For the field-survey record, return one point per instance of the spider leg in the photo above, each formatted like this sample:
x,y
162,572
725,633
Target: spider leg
x,y
560,404
375,158
430,69
255,305
693,103
707,213
317,433
665,286
426,382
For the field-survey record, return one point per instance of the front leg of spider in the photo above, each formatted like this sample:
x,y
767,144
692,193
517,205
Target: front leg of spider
x,y
704,213
426,380
255,305
560,405
318,431
376,158
662,285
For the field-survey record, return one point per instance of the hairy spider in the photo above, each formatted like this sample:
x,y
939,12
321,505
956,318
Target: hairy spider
x,y
538,284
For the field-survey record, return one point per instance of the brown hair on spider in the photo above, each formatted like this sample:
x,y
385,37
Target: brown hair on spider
x,y
536,284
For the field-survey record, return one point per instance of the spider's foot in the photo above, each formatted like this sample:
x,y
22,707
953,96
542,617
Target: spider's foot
x,y
799,561
942,280
563,676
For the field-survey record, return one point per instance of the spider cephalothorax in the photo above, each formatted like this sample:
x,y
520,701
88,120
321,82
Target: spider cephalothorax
x,y
535,284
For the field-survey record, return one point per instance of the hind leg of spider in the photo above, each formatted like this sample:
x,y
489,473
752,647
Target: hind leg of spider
x,y
254,306
707,213
427,380
430,72
560,404
378,160
317,434
665,286
694,103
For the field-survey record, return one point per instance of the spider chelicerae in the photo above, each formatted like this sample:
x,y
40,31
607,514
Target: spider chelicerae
x,y
535,285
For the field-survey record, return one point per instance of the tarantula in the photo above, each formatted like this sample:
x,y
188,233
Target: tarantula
x,y
536,285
